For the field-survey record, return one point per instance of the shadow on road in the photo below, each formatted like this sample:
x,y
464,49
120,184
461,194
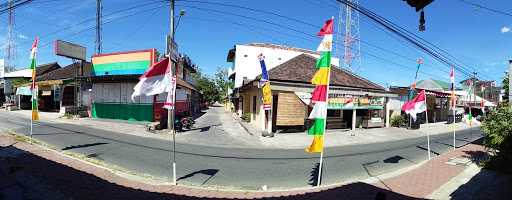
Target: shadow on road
x,y
313,178
83,146
208,172
75,184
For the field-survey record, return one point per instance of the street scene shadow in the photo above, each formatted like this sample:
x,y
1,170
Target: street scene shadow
x,y
209,172
69,183
313,177
83,146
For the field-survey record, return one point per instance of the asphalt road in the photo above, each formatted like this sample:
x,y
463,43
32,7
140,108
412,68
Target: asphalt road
x,y
235,167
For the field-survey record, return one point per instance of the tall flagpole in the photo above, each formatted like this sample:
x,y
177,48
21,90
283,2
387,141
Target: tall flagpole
x,y
426,117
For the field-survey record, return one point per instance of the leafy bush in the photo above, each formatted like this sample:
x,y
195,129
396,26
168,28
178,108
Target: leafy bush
x,y
397,120
246,117
498,138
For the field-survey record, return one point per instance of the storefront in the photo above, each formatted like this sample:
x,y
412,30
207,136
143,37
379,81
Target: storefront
x,y
353,101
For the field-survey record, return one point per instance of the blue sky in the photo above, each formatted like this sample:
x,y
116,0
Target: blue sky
x,y
479,38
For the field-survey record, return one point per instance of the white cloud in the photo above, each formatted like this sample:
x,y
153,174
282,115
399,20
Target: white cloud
x,y
22,36
505,29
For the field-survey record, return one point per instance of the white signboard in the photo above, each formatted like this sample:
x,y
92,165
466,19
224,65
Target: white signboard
x,y
70,50
304,97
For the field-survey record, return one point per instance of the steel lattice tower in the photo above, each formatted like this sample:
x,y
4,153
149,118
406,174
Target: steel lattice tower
x,y
349,21
10,47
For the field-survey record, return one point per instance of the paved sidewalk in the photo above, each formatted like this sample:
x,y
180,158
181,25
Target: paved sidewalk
x,y
476,183
361,136
442,178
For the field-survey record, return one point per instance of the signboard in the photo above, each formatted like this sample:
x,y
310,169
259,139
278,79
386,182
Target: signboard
x,y
304,97
122,63
346,102
2,68
24,91
172,49
70,50
267,96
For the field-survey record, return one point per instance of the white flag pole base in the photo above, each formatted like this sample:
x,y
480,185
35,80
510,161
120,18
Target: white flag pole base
x,y
174,173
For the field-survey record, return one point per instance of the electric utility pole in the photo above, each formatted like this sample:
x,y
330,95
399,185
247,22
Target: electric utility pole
x,y
170,112
98,26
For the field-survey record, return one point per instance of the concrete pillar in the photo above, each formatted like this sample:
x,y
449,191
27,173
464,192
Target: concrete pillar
x,y
387,112
354,117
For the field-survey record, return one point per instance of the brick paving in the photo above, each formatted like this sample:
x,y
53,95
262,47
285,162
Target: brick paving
x,y
75,179
425,179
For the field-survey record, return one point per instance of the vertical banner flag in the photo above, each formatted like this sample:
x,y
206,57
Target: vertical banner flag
x,y
33,52
320,93
265,84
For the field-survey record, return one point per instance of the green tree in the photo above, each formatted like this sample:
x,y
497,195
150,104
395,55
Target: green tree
x,y
498,138
222,82
207,87
505,86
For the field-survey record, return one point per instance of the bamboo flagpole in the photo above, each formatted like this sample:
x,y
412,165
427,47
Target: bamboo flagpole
x,y
320,94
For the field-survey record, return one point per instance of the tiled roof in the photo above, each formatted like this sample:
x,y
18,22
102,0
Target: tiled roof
x,y
302,68
67,72
45,68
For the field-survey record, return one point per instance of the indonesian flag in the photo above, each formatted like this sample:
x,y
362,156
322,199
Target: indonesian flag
x,y
156,80
35,114
320,93
417,105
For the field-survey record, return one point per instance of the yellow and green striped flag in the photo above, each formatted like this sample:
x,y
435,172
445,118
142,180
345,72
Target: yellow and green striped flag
x,y
320,93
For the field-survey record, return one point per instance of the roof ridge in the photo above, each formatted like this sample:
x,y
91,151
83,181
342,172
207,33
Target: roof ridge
x,y
280,46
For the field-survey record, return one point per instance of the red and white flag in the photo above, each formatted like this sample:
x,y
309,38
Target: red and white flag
x,y
417,105
156,80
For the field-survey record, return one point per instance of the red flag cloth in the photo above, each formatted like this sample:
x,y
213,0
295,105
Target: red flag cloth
x,y
327,28
156,80
319,94
411,104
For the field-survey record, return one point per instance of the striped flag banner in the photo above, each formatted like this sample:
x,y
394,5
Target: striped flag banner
x,y
320,93
33,52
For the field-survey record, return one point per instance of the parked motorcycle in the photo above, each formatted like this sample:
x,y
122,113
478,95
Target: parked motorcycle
x,y
182,123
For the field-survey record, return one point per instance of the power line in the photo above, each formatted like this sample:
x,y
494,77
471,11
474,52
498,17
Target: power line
x,y
91,19
254,10
417,41
487,8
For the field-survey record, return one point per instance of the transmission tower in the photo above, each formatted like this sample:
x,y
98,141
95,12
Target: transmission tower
x,y
10,47
349,20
